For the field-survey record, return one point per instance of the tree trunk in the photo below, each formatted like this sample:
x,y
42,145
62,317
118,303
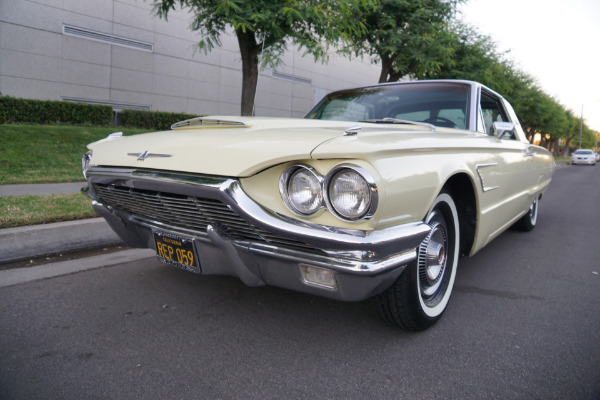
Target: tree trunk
x,y
553,147
249,51
567,151
386,69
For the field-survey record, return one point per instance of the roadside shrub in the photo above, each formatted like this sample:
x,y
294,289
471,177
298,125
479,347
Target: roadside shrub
x,y
158,120
52,112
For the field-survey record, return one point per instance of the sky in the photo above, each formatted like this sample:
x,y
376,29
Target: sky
x,y
555,41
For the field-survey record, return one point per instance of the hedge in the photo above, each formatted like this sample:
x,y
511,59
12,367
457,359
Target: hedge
x,y
52,112
56,112
152,119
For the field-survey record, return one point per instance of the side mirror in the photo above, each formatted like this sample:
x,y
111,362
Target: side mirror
x,y
502,128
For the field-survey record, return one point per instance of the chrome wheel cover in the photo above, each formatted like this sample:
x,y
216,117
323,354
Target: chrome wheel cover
x,y
432,260
533,211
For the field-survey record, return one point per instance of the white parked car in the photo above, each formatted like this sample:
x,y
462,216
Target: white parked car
x,y
583,156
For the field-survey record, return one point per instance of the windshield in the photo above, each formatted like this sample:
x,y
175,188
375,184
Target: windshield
x,y
440,104
584,152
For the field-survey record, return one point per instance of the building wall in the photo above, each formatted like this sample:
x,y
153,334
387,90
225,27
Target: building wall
x,y
40,60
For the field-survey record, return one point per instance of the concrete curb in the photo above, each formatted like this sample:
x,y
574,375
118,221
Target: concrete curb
x,y
24,275
38,240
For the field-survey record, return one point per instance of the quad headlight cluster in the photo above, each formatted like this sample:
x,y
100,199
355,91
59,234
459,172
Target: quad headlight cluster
x,y
349,192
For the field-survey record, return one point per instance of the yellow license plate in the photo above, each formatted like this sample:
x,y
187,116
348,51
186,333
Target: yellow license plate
x,y
177,251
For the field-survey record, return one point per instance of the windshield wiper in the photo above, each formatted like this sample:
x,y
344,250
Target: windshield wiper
x,y
399,121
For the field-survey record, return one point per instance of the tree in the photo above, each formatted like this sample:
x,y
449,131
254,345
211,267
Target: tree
x,y
472,56
403,35
475,57
264,28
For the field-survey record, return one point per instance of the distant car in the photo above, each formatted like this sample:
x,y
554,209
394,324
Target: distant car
x,y
377,192
584,156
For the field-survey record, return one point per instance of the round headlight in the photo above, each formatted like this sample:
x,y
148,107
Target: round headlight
x,y
303,192
350,194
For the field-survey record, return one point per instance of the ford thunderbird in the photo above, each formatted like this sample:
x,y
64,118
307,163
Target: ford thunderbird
x,y
376,193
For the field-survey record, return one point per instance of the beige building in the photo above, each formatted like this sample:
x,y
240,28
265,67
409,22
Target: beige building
x,y
117,52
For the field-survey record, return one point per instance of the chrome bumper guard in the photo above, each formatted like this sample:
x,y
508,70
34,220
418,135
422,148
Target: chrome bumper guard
x,y
364,263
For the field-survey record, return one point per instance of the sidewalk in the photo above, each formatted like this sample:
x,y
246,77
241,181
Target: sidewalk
x,y
39,240
42,188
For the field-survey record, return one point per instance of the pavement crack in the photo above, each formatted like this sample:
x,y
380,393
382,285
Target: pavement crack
x,y
496,293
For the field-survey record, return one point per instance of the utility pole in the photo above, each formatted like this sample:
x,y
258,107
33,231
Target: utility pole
x,y
580,126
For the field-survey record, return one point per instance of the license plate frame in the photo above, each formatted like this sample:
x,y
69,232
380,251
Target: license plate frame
x,y
176,250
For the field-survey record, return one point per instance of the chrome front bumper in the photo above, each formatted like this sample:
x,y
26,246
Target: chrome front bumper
x,y
364,263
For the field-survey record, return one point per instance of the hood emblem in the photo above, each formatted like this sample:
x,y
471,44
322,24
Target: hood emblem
x,y
146,154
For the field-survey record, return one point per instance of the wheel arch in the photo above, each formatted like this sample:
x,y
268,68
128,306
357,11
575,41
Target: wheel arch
x,y
462,189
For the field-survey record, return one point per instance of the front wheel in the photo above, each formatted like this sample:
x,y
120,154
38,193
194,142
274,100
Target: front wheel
x,y
421,293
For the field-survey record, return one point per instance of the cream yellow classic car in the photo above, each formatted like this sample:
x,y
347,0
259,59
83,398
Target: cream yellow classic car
x,y
376,193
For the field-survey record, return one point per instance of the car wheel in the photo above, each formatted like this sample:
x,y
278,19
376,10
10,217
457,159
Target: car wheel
x,y
421,293
528,221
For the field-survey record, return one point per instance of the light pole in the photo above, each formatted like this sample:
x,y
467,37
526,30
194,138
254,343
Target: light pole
x,y
580,126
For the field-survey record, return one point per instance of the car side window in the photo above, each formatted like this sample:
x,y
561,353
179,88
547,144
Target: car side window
x,y
492,111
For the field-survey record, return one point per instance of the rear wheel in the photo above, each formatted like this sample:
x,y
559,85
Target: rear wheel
x,y
421,293
528,221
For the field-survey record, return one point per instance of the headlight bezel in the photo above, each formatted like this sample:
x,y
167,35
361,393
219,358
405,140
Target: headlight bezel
x,y
371,187
284,186
325,182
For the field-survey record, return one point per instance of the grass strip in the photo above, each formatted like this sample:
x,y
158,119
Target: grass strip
x,y
32,210
47,154
562,160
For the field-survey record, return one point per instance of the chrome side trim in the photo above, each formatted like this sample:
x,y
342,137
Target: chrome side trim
x,y
483,186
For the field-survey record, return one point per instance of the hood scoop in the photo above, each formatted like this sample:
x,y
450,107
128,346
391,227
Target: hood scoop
x,y
200,121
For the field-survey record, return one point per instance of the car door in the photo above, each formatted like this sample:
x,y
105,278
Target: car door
x,y
506,176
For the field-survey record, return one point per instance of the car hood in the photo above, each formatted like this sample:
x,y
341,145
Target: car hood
x,y
229,146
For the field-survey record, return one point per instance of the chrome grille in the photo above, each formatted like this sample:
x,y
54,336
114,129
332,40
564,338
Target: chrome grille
x,y
188,212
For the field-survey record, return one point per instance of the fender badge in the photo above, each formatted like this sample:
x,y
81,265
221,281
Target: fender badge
x,y
146,154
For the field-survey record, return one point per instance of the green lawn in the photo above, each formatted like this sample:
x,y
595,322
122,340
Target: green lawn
x,y
562,160
47,154
32,210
